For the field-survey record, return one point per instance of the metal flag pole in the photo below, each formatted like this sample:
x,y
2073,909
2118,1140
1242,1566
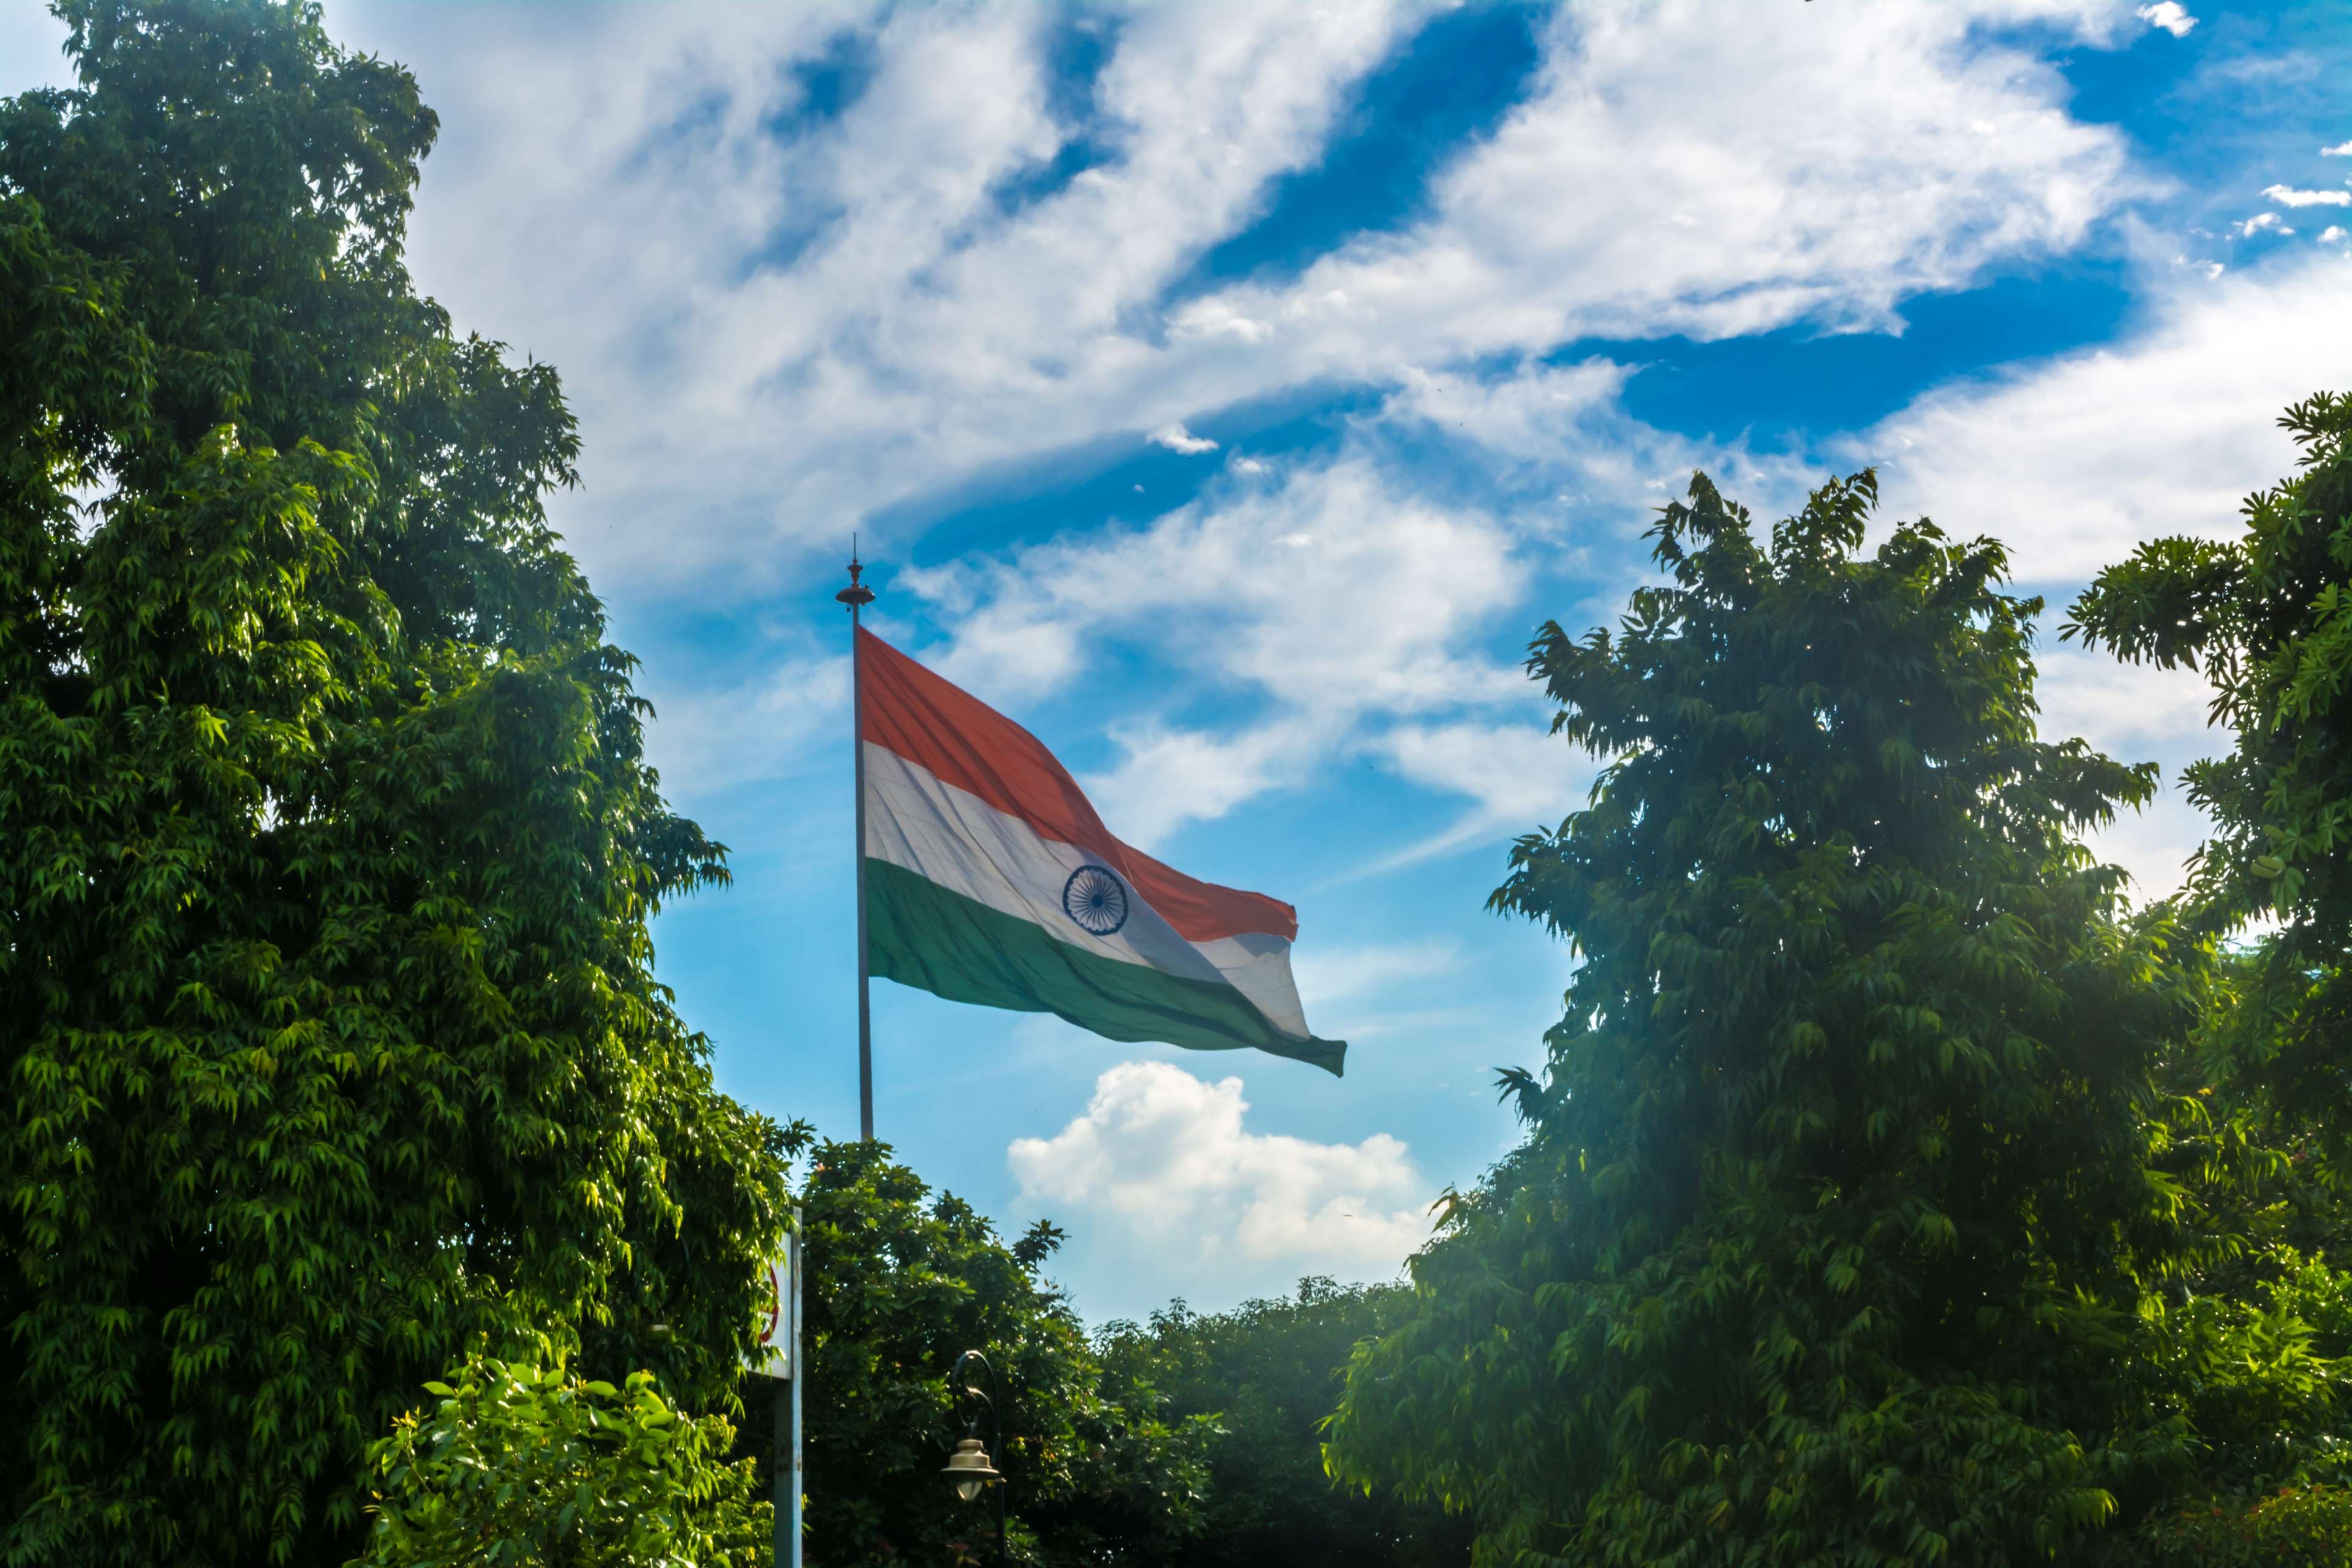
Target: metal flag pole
x,y
857,596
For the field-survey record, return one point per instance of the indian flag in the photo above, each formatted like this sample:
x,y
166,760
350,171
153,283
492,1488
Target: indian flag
x,y
988,878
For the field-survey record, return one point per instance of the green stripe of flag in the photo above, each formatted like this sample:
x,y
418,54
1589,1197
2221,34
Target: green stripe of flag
x,y
920,934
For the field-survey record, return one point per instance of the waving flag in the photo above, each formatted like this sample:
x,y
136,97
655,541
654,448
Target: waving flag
x,y
988,878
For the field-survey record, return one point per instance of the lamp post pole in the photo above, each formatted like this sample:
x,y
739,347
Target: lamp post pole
x,y
857,596
969,1466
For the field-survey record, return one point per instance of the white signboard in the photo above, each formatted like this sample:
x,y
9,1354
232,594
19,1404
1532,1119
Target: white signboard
x,y
774,1358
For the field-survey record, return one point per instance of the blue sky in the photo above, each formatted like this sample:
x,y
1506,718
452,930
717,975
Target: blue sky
x,y
1227,391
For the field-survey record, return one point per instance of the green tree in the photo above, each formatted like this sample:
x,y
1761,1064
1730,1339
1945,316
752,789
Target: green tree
x,y
522,1467
2263,617
1270,1372
1828,1238
2268,617
900,1282
327,853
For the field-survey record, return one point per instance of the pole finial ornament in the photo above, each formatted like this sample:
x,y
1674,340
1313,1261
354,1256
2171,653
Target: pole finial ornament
x,y
856,593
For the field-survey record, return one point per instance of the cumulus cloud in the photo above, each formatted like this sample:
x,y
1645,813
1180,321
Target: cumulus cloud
x,y
2169,15
2287,196
1176,439
1165,1157
2341,149
2261,221
2333,234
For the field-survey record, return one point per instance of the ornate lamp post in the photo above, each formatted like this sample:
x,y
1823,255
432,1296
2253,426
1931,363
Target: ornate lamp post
x,y
969,1468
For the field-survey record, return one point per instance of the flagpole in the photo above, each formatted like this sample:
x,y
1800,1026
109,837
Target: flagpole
x,y
857,596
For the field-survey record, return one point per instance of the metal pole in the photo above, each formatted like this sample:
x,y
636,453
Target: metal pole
x,y
786,1479
800,1269
857,596
790,1481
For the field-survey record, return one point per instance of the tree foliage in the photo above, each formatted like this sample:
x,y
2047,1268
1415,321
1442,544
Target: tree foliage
x,y
327,852
1836,1213
523,1466
1269,1374
900,1282
2268,617
2263,617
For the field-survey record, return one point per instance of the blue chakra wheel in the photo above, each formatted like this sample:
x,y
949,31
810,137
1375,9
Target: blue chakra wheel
x,y
1096,899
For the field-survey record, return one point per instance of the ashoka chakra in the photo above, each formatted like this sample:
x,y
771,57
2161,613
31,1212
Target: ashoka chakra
x,y
1096,900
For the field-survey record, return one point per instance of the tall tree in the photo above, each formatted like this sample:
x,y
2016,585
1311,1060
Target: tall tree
x,y
329,1042
1836,1211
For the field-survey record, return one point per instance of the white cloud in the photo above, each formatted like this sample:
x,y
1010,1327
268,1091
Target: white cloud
x,y
2075,460
2135,714
2168,15
852,315
1520,777
2333,234
1343,977
1169,777
707,742
2287,196
770,336
1168,1159
2341,149
1331,595
1894,180
2261,221
1176,439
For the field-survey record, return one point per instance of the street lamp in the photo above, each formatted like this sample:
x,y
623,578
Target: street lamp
x,y
968,1468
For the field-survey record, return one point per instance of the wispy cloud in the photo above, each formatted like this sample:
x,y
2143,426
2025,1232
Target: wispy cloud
x,y
1336,594
852,313
2075,460
707,742
2287,196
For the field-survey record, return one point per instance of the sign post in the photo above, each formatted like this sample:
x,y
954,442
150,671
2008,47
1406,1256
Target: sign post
x,y
778,1359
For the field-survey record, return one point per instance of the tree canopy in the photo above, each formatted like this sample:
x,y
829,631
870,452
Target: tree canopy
x,y
2267,615
327,850
1269,1374
522,1467
1830,1230
900,1282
